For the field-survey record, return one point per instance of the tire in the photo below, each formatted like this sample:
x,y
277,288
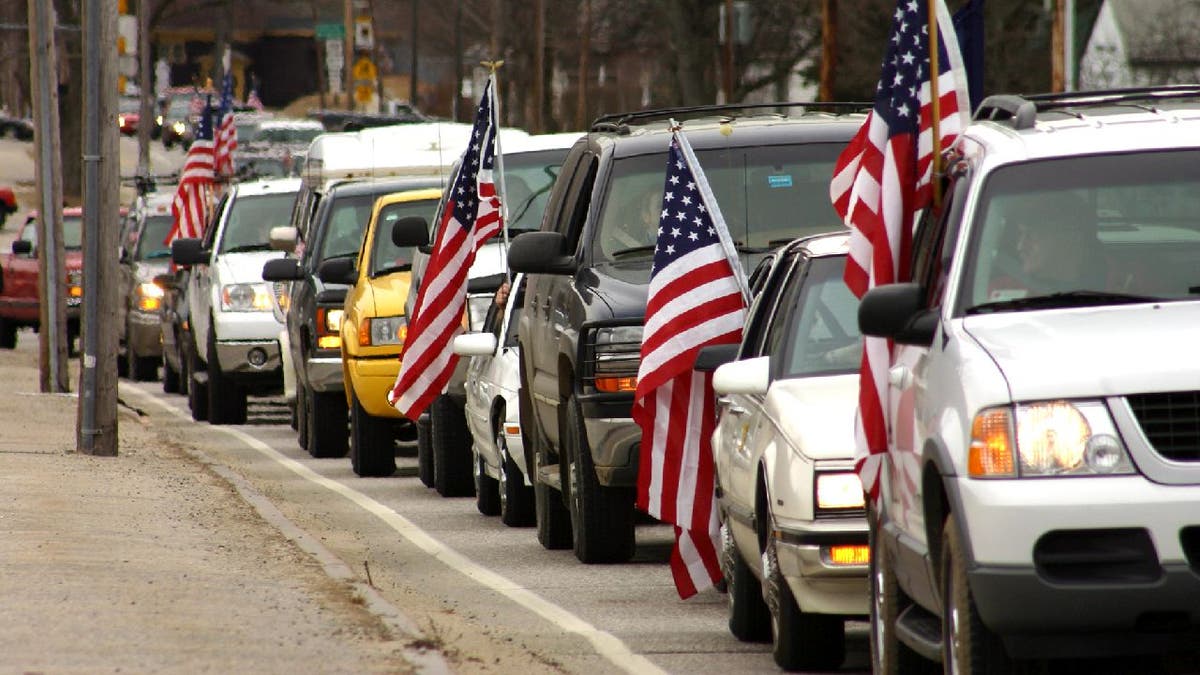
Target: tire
x,y
302,417
141,368
197,392
8,334
516,498
801,640
183,379
551,514
889,656
452,466
425,450
327,434
372,445
170,377
123,364
601,516
487,490
968,646
749,620
226,400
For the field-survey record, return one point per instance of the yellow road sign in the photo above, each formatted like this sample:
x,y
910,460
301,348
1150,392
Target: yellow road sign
x,y
364,69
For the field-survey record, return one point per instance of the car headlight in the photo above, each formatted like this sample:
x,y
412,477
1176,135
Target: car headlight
x,y
149,296
177,127
329,327
839,491
1048,438
384,330
246,298
75,284
120,120
614,354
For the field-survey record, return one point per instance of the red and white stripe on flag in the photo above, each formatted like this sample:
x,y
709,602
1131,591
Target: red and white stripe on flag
x,y
226,143
883,178
193,195
470,216
695,299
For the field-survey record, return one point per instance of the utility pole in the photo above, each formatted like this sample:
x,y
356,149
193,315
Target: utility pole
x,y
97,427
146,87
537,124
727,53
52,313
412,79
828,50
348,52
1058,47
585,46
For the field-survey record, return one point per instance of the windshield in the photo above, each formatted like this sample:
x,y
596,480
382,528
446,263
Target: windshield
x,y
288,135
386,256
768,195
1091,230
150,244
72,232
347,220
251,217
528,177
823,337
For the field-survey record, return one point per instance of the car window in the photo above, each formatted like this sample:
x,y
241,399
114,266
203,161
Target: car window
x,y
348,216
386,256
820,317
768,195
528,177
251,217
290,135
762,307
73,232
150,244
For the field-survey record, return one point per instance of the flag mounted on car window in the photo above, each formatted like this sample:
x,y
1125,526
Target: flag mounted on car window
x,y
193,194
697,298
885,175
470,216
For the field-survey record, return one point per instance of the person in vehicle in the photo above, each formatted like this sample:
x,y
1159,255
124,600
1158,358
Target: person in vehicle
x,y
1051,246
639,225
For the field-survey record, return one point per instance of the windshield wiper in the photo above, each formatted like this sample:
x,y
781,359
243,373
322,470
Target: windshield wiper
x,y
1080,298
392,268
648,248
248,247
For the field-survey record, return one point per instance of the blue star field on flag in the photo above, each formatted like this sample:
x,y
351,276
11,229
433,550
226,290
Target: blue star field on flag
x,y
466,198
684,224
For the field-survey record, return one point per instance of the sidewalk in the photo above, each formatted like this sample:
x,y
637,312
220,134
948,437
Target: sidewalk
x,y
151,561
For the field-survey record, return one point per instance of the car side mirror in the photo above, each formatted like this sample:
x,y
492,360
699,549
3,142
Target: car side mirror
x,y
540,253
338,271
474,344
411,231
898,311
748,376
188,251
283,238
711,357
165,281
22,247
282,269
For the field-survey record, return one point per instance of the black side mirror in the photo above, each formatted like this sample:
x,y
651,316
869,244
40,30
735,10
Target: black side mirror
x,y
712,357
540,253
898,311
338,271
282,269
411,231
188,252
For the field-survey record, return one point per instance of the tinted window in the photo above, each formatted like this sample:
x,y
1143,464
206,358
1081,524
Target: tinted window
x,y
154,233
347,219
528,177
386,256
251,218
821,322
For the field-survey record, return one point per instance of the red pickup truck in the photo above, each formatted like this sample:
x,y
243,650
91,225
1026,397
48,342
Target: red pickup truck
x,y
19,283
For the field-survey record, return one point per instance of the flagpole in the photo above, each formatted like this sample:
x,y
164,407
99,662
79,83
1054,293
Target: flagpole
x,y
501,188
935,105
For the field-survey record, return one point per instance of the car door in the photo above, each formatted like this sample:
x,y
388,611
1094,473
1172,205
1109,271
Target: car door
x,y
479,387
200,290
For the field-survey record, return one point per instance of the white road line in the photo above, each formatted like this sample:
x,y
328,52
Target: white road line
x,y
605,643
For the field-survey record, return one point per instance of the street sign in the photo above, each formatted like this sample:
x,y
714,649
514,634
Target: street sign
x,y
364,69
330,31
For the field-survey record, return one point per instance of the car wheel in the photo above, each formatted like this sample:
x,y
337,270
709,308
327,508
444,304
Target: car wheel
x,y
749,620
425,450
516,498
551,514
170,377
302,417
452,471
197,390
181,355
487,489
889,656
372,445
226,400
8,334
327,434
968,646
801,640
601,516
141,368
123,364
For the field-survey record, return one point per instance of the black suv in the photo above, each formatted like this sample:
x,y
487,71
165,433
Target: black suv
x,y
314,311
589,267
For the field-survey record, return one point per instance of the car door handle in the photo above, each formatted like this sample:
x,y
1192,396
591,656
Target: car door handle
x,y
900,377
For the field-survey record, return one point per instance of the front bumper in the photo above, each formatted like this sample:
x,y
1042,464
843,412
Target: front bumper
x,y
144,334
250,357
372,380
818,585
324,373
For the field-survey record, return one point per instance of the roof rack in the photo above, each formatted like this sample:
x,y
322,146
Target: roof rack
x,y
621,121
1021,110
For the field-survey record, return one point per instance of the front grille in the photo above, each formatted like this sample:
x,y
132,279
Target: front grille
x,y
1171,422
1097,556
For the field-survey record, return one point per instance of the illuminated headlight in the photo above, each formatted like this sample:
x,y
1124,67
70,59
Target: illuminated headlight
x,y
616,355
149,296
1050,438
246,298
75,284
333,320
839,491
158,120
120,120
178,127
385,330
477,309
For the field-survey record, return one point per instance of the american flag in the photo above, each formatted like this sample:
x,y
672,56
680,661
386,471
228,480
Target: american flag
x,y
696,299
469,218
226,135
883,178
193,196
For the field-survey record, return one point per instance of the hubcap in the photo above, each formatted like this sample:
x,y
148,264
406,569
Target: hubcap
x,y
880,606
953,619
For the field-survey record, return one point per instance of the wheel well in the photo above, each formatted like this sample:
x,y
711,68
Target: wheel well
x,y
936,507
762,510
497,415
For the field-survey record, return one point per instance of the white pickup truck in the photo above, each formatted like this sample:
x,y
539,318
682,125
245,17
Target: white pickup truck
x,y
236,336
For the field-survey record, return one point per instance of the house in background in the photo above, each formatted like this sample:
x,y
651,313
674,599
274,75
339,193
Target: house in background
x,y
1138,43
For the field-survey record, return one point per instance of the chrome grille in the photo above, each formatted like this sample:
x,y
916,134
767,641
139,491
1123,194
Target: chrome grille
x,y
1171,422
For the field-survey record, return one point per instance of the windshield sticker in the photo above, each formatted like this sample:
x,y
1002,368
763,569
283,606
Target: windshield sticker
x,y
779,181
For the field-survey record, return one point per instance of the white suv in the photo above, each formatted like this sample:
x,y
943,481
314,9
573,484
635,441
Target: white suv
x,y
1041,493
